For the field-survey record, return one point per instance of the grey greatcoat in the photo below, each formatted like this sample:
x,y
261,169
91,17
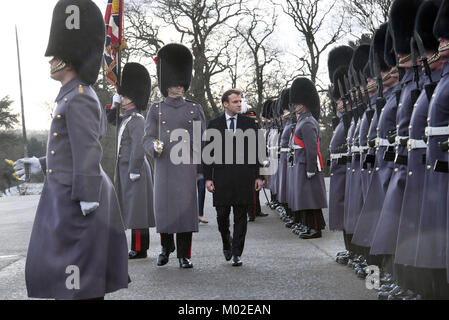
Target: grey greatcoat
x,y
380,177
310,193
62,239
414,188
384,239
273,147
136,197
433,234
337,180
283,162
175,184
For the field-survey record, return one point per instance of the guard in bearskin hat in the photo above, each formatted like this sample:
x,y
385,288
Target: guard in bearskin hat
x,y
338,147
78,245
133,176
175,185
307,178
383,124
432,250
406,275
402,22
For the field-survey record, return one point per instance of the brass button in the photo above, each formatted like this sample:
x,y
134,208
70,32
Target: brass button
x,y
65,99
363,170
171,141
53,152
410,173
50,171
370,172
192,112
164,122
55,134
353,170
168,131
396,169
429,167
160,113
194,105
190,121
185,141
58,116
157,106
119,155
377,169
332,174
187,131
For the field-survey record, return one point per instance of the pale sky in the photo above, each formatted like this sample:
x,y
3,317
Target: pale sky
x,y
33,19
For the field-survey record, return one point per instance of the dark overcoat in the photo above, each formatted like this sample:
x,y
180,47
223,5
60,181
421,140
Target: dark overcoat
x,y
234,183
283,161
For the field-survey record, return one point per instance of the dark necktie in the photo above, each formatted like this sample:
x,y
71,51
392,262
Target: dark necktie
x,y
232,127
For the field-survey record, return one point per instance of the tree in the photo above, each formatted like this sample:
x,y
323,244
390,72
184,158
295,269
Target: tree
x,y
309,18
203,24
367,15
255,36
7,118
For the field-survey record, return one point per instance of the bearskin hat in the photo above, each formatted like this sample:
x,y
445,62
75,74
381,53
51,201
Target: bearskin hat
x,y
136,84
304,92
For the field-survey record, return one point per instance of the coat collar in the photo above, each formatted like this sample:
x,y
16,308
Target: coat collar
x,y
174,102
445,69
69,86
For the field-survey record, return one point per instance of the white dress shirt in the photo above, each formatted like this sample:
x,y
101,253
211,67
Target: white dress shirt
x,y
228,121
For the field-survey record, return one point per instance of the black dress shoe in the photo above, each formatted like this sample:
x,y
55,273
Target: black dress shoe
x,y
312,234
137,255
185,263
236,262
261,214
252,219
289,224
227,254
164,256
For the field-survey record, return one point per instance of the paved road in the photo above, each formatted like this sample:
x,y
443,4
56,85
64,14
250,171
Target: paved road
x,y
277,264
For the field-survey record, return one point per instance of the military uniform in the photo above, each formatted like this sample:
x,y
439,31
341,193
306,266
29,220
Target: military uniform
x,y
64,241
308,179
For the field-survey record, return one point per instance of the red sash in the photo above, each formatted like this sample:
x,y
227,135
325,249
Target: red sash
x,y
301,143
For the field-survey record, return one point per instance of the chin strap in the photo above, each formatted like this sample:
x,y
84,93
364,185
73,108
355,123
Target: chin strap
x,y
60,66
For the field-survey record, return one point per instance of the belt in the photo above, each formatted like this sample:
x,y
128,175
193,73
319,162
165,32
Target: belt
x,y
285,149
296,147
355,149
437,131
273,148
336,156
401,141
416,144
364,149
403,160
383,143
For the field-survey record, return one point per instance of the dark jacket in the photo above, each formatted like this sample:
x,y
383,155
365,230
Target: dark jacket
x,y
234,183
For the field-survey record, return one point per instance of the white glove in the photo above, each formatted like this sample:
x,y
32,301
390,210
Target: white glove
x,y
310,175
88,207
116,99
266,163
134,177
19,167
158,146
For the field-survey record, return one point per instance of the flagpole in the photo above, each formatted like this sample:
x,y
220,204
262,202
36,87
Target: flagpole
x,y
119,71
25,143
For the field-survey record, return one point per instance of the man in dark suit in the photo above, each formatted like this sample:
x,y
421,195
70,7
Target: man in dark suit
x,y
233,182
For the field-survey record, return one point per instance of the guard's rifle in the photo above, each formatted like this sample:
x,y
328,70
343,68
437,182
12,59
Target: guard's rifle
x,y
417,91
430,87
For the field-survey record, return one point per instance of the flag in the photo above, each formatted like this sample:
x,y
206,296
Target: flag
x,y
114,31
